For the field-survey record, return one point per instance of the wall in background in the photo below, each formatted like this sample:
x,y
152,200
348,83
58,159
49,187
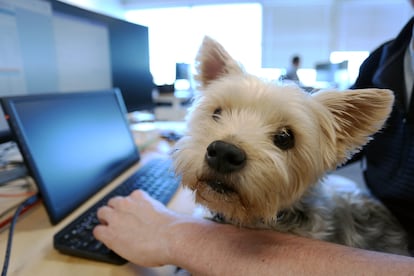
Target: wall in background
x,y
314,30
311,28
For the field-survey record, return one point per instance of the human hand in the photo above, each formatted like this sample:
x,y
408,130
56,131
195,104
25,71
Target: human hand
x,y
135,227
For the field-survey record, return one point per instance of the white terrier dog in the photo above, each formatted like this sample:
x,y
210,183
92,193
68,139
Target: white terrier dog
x,y
255,154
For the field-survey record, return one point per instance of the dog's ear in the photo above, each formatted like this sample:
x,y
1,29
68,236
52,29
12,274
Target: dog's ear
x,y
358,114
213,62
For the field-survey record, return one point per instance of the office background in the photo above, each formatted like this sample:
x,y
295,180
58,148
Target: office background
x,y
265,37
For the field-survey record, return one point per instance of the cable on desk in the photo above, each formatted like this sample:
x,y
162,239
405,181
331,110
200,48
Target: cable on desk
x,y
31,200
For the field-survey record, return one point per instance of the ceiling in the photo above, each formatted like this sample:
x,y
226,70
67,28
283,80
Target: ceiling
x,y
142,4
137,4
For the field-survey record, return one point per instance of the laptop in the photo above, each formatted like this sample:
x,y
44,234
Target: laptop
x,y
74,144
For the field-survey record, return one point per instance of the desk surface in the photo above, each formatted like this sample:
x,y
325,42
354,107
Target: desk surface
x,y
32,249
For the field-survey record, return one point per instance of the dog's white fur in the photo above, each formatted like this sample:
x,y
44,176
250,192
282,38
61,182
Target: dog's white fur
x,y
279,188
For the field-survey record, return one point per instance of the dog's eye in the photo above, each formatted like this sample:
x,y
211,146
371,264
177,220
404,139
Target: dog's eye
x,y
216,114
284,139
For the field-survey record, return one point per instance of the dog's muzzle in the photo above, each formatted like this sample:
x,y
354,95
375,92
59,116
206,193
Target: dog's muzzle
x,y
224,157
220,187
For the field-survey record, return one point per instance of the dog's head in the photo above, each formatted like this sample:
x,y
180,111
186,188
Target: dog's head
x,y
253,147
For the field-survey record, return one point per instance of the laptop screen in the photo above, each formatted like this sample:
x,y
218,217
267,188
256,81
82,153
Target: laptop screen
x,y
73,144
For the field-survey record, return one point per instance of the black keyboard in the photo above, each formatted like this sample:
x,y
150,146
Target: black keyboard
x,y
76,239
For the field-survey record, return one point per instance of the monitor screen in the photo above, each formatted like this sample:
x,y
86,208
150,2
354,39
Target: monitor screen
x,y
71,147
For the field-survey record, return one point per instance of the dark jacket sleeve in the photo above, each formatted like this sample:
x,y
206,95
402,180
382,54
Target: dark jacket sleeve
x,y
364,80
369,68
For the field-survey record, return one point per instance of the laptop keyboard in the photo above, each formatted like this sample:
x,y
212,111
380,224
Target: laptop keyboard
x,y
76,239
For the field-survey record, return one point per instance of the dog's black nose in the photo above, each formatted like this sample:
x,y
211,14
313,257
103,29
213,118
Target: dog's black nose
x,y
225,157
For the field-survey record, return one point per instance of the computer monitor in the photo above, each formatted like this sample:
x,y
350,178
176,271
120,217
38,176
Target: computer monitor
x,y
333,73
72,143
324,72
182,76
182,71
56,47
128,55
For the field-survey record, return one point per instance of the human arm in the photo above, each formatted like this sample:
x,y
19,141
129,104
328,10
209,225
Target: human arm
x,y
143,231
